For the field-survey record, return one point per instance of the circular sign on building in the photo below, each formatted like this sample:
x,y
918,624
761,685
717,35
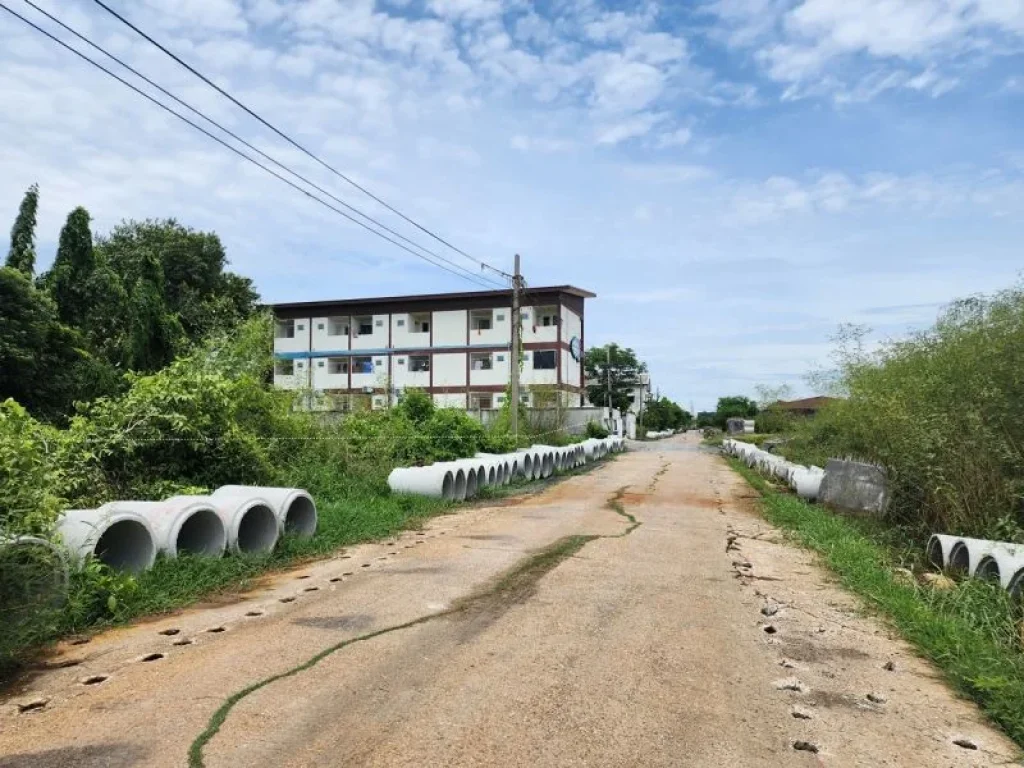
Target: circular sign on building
x,y
576,348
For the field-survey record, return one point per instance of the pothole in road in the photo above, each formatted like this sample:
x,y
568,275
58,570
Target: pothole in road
x,y
348,573
805,746
169,632
336,579
287,600
152,657
217,630
79,640
183,641
311,589
965,743
253,613
305,576
769,629
94,679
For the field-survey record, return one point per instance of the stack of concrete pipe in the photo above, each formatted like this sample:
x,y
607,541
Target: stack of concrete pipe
x,y
805,481
981,558
128,535
462,479
659,434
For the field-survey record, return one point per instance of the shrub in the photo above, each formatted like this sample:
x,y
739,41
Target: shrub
x,y
943,411
28,473
596,430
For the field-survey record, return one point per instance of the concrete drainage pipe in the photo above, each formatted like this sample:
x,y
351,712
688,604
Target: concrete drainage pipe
x,y
183,524
294,508
525,465
252,524
471,471
1005,564
807,484
966,554
939,548
437,482
117,537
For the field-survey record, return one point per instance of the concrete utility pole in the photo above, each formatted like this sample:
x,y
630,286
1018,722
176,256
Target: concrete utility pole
x,y
517,330
608,378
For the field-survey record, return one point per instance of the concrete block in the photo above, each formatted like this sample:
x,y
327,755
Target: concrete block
x,y
853,486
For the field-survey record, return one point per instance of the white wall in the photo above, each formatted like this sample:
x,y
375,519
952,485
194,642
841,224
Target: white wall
x,y
450,369
500,332
403,377
450,400
298,344
532,376
402,336
376,340
541,333
323,341
450,329
499,374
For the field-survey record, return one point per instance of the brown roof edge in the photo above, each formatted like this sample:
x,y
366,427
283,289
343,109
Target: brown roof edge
x,y
572,290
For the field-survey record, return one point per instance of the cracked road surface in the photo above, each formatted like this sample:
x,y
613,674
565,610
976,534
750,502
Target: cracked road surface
x,y
538,632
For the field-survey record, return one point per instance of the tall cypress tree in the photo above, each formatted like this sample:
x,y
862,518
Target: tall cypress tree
x,y
70,279
22,254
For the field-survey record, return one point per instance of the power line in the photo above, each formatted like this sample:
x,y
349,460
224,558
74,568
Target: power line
x,y
290,140
307,193
247,144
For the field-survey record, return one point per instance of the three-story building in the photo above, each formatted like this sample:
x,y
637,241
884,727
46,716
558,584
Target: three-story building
x,y
455,346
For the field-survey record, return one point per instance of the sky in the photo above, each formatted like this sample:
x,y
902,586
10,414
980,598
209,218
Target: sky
x,y
733,178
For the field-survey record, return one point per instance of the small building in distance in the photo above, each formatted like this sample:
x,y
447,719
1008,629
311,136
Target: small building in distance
x,y
808,406
454,346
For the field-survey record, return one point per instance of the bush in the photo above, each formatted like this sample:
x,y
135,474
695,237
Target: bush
x,y
596,430
28,473
944,412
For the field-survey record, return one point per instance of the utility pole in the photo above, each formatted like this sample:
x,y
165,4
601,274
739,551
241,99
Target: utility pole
x,y
608,377
517,331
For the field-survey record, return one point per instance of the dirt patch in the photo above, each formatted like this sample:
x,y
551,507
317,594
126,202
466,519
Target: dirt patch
x,y
352,621
800,649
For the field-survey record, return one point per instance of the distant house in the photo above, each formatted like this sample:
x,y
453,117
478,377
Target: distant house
x,y
808,406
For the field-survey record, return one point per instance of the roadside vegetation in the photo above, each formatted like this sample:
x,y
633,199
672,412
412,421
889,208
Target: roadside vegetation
x,y
137,367
969,630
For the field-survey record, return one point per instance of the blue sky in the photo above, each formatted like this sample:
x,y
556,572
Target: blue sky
x,y
733,178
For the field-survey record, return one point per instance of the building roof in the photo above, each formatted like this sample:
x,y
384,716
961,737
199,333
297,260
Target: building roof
x,y
806,404
430,298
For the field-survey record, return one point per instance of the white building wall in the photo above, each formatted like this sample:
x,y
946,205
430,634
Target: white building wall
x,y
450,400
300,343
534,376
405,378
450,328
402,336
376,340
377,379
323,341
450,369
499,374
533,332
500,331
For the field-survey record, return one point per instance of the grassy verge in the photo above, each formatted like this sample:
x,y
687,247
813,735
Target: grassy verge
x,y
970,631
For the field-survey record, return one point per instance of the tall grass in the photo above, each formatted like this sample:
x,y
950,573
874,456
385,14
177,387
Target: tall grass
x,y
943,411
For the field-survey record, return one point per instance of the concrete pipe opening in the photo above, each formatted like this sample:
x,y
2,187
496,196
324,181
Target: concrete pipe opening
x,y
127,545
257,530
459,485
527,465
1016,585
492,475
988,569
933,551
471,483
499,474
202,533
959,558
448,487
548,464
300,517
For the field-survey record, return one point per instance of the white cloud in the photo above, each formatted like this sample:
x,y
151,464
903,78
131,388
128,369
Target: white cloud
x,y
630,128
465,9
676,138
541,144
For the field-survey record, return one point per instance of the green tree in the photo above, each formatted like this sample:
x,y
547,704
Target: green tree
x,y
734,407
195,286
22,254
43,363
664,414
613,368
70,279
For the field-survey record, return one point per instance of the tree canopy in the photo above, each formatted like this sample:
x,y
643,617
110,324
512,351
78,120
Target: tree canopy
x,y
615,369
22,254
664,414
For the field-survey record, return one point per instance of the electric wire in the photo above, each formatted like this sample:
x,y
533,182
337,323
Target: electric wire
x,y
290,140
247,144
469,276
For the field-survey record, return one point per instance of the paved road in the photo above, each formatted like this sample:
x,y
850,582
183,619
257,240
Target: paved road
x,y
550,631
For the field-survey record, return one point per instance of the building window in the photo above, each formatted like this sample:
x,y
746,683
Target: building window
x,y
380,323
284,367
481,319
300,327
284,329
524,399
337,326
364,326
401,323
500,358
420,322
378,362
480,401
547,316
419,363
481,361
319,326
337,365
319,363
544,360
500,317
362,365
